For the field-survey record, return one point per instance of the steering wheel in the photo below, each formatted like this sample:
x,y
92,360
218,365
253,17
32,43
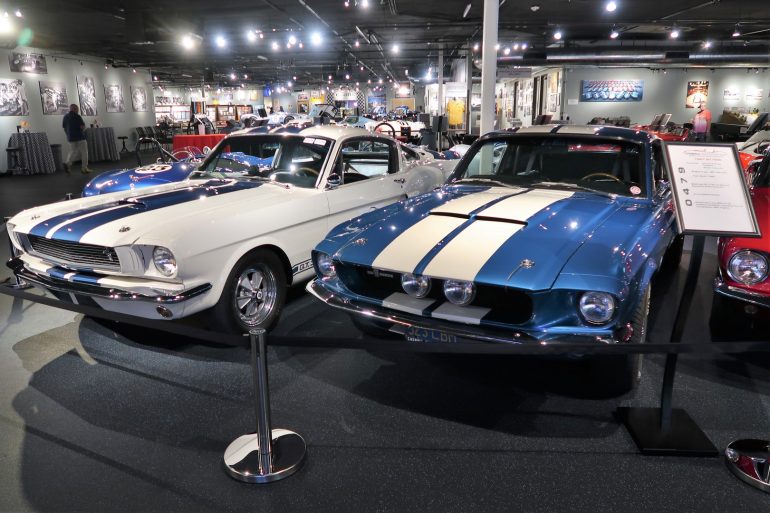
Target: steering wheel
x,y
306,171
602,175
389,129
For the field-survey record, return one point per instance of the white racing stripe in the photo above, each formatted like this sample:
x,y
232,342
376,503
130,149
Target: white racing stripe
x,y
524,206
466,204
50,232
405,251
466,254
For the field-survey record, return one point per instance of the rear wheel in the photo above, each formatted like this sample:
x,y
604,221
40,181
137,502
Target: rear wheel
x,y
254,294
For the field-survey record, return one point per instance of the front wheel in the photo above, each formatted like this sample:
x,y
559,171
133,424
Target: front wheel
x,y
254,294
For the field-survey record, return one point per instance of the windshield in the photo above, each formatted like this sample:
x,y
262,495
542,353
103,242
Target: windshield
x,y
602,165
293,160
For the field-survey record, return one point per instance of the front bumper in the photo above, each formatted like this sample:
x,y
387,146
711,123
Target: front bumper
x,y
402,322
740,294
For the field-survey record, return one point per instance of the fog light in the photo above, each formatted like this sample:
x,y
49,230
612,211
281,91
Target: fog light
x,y
415,286
459,292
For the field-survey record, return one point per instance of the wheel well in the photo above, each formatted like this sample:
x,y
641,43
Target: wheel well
x,y
281,256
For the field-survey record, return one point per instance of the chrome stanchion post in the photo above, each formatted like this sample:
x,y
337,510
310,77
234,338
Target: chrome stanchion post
x,y
269,454
20,284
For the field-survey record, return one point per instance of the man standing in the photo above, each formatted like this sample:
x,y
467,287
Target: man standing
x,y
702,122
74,126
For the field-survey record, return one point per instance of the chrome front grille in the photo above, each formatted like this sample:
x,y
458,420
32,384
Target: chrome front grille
x,y
74,254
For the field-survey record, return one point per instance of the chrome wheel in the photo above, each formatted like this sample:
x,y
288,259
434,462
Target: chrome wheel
x,y
255,295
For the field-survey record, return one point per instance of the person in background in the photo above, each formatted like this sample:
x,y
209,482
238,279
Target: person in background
x,y
702,122
74,127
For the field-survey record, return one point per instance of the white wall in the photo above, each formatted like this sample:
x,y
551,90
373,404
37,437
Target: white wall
x,y
66,70
662,92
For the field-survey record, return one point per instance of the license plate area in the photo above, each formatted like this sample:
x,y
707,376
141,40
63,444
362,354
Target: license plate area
x,y
425,335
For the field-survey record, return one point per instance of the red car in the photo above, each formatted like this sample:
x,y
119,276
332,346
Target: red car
x,y
742,287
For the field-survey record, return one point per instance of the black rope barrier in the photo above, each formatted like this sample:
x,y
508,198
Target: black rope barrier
x,y
460,347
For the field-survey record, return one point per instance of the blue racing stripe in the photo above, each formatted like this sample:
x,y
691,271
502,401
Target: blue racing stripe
x,y
74,231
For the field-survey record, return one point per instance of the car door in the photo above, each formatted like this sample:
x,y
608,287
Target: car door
x,y
371,177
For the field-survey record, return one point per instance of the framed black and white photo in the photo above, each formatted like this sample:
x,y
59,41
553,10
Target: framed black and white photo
x,y
113,95
13,99
711,196
53,96
27,62
139,99
87,95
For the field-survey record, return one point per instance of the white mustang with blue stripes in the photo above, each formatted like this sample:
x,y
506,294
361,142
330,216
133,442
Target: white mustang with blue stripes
x,y
233,244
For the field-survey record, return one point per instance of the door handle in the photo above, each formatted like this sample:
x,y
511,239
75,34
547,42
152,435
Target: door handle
x,y
399,180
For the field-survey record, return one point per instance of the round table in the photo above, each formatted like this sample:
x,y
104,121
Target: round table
x,y
34,152
196,141
101,144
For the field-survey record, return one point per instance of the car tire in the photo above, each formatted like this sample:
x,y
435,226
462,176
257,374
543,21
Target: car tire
x,y
623,372
673,255
254,294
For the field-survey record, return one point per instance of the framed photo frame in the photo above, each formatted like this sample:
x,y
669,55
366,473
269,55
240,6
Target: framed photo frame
x,y
710,192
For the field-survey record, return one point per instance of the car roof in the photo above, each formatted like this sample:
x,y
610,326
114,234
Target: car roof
x,y
336,131
629,134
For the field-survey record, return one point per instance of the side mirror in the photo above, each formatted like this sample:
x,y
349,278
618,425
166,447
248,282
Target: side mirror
x,y
333,181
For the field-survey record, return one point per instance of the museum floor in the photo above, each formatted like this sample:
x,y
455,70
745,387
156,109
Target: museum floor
x,y
101,417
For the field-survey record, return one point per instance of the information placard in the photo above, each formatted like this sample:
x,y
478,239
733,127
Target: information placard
x,y
710,191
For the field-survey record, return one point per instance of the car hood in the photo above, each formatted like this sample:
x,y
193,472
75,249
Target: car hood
x,y
506,236
158,213
144,176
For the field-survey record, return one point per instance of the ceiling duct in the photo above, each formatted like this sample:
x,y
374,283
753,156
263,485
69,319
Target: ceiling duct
x,y
647,56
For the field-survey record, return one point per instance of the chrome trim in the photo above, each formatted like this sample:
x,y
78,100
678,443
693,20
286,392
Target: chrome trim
x,y
747,296
402,321
97,291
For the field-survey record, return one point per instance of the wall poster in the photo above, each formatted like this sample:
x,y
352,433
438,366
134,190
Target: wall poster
x,y
113,95
697,93
87,95
611,91
138,99
753,95
53,95
27,62
13,99
732,94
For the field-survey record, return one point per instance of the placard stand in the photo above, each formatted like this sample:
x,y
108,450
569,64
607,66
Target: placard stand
x,y
666,430
269,454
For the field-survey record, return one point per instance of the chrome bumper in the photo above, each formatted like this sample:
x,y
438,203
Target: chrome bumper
x,y
402,322
96,291
747,296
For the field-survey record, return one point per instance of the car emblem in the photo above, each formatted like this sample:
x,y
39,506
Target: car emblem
x,y
124,229
36,216
360,242
527,263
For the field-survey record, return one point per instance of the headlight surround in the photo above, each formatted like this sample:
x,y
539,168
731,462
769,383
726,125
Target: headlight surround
x,y
164,261
458,292
325,265
747,267
597,307
415,285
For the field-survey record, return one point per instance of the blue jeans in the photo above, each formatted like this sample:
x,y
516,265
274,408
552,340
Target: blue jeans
x,y
700,136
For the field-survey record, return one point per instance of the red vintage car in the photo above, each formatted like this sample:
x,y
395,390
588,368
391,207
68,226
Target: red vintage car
x,y
742,287
753,148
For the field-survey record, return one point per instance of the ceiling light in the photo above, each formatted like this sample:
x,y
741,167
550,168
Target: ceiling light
x,y
301,45
133,70
356,44
292,40
288,84
369,81
497,46
251,36
611,6
674,33
395,48
346,3
380,81
557,35
524,46
507,51
516,46
245,76
261,35
330,77
220,41
534,8
737,31
6,26
364,3
475,47
274,45
347,76
614,34
18,13
155,77
406,71
362,68
232,76
315,38
187,42
106,65
706,44
467,10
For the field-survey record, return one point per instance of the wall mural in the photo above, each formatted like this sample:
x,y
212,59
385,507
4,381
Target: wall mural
x,y
27,62
113,95
138,99
611,91
53,95
697,93
87,95
13,99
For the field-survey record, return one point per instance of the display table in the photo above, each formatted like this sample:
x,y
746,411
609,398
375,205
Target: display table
x,y
34,152
196,141
101,144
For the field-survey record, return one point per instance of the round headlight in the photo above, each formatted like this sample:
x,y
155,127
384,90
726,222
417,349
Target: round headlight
x,y
415,286
747,267
164,261
325,265
459,292
597,307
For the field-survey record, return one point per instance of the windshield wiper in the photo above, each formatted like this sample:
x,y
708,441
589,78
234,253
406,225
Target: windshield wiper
x,y
485,180
557,185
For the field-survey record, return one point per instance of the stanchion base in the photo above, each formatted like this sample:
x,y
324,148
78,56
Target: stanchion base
x,y
683,438
242,457
749,460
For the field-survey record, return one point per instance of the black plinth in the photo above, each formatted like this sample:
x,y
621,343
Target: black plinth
x,y
682,438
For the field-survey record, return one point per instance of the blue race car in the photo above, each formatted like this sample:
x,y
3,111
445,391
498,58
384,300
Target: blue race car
x,y
172,168
538,236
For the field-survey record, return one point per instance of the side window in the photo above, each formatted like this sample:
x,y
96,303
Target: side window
x,y
657,165
487,160
409,154
365,158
